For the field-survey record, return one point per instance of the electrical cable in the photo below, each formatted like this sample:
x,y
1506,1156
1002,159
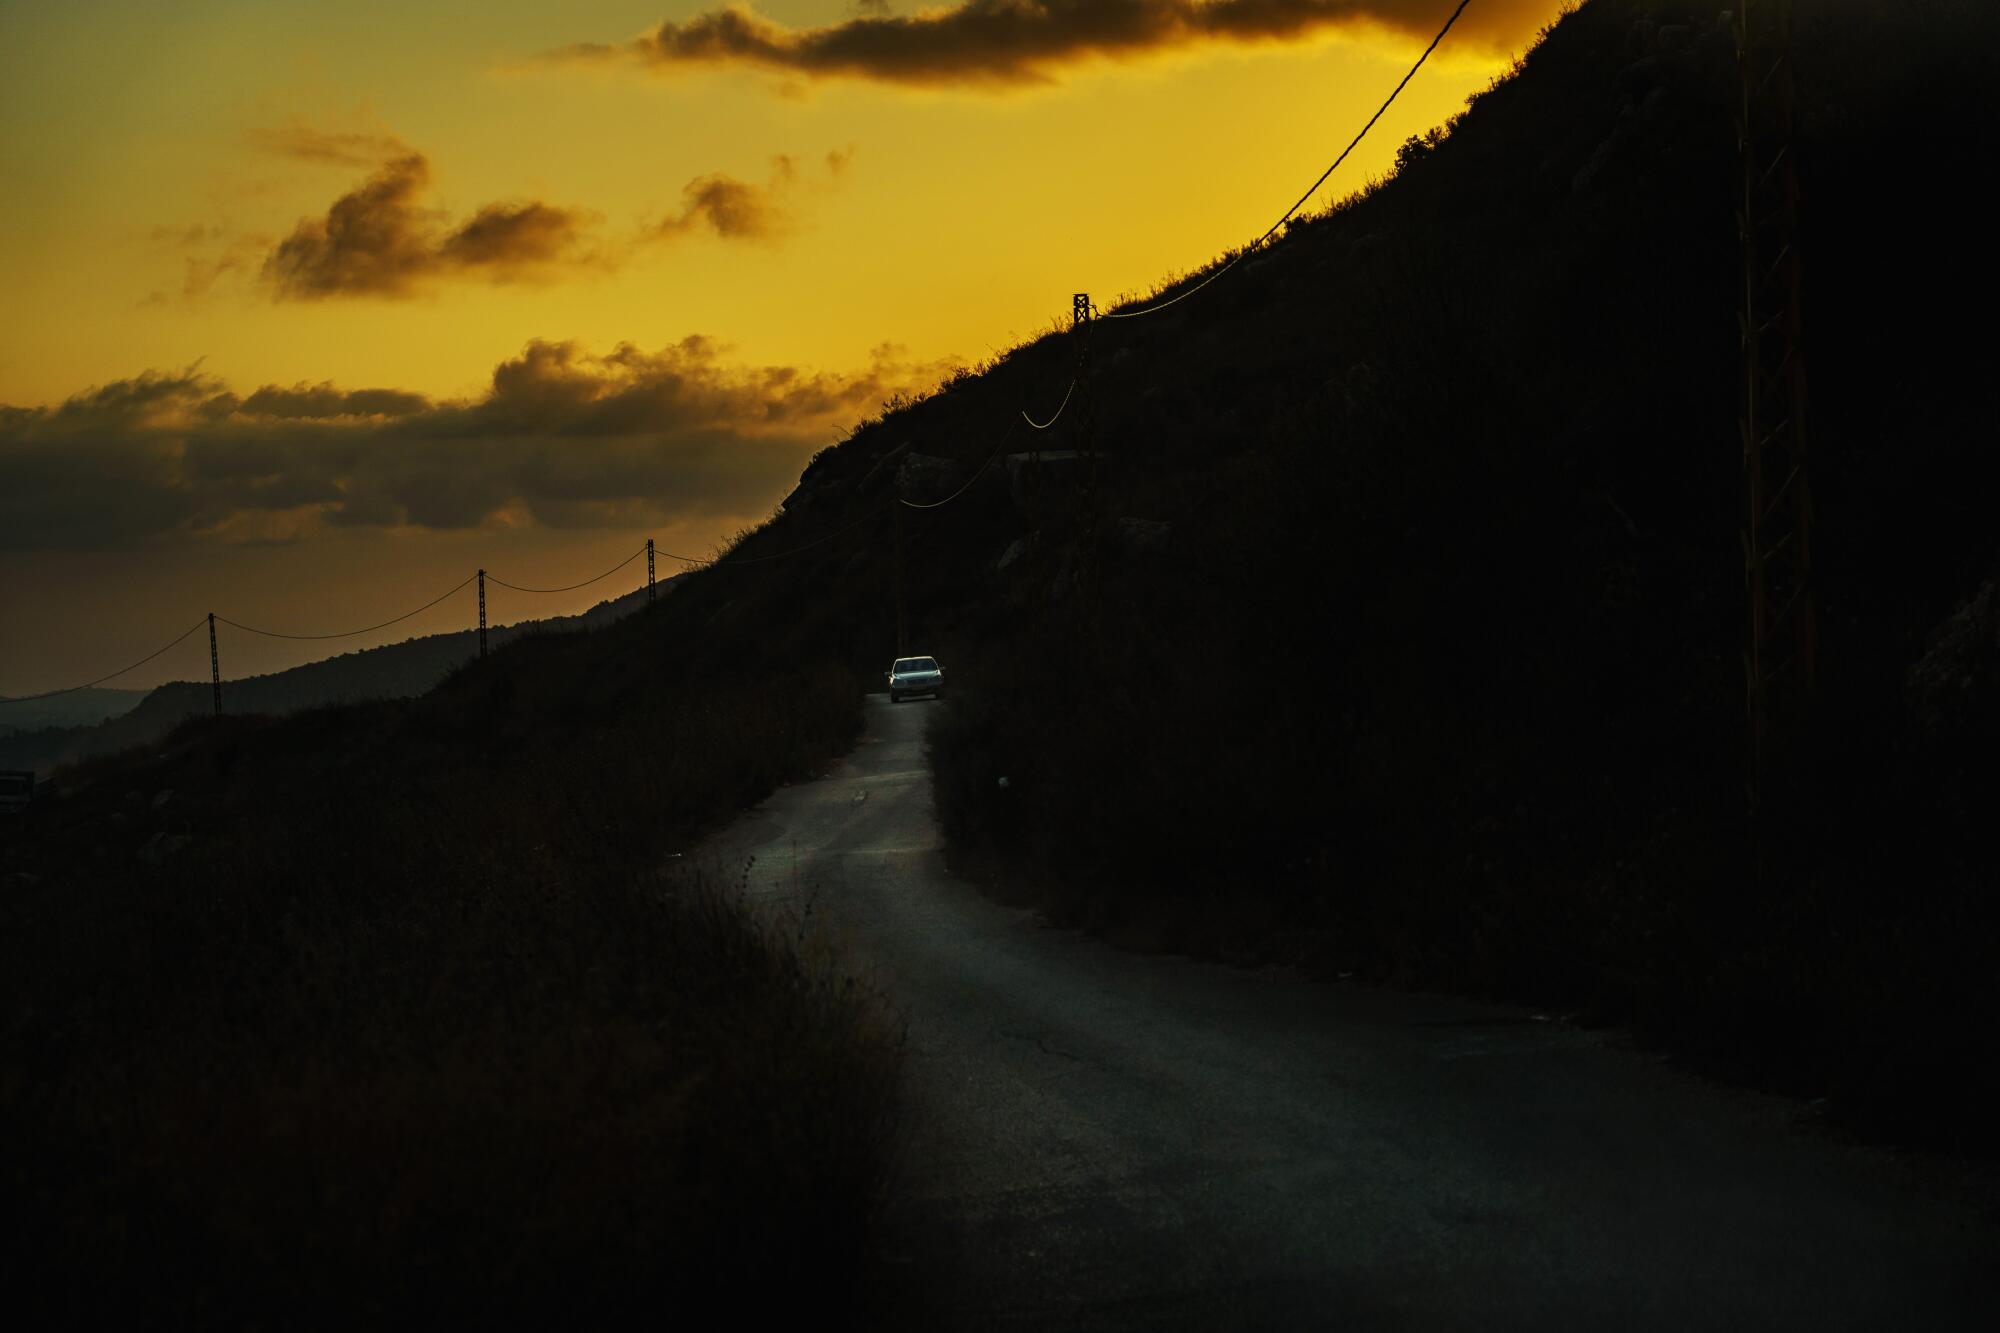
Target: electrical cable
x,y
1044,425
347,634
1007,435
779,555
572,587
72,689
1352,145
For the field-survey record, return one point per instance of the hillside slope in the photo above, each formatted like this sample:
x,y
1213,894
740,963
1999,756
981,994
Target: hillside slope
x,y
392,671
80,708
1395,629
1401,628
387,1011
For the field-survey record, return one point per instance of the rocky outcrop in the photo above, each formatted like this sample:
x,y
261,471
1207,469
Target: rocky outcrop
x,y
880,469
927,479
813,493
1040,483
1953,690
1138,536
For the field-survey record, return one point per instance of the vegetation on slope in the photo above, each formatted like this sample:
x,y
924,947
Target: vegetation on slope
x,y
1438,677
1403,633
387,1011
52,732
80,708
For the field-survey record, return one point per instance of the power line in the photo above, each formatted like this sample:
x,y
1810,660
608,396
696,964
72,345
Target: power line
x,y
1044,425
1129,314
1061,407
572,587
877,512
348,634
72,689
1007,435
806,546
1352,145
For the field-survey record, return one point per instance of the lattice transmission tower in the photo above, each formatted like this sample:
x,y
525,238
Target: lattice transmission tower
x,y
1779,660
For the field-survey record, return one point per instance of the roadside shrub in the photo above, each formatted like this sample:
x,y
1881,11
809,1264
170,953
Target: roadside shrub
x,y
414,1028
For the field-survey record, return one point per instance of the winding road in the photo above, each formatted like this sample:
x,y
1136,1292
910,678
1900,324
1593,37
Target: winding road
x,y
1105,1140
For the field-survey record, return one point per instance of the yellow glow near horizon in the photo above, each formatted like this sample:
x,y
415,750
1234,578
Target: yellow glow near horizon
x,y
964,222
961,225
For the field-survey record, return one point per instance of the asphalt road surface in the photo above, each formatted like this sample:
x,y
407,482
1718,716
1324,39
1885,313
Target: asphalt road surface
x,y
1107,1140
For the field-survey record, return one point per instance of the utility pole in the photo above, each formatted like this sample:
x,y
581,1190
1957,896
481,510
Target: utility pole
x,y
1086,476
214,666
649,571
482,612
902,619
1778,663
1079,324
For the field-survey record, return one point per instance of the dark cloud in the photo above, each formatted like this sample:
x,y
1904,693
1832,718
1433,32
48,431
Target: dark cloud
x,y
501,236
99,469
741,211
207,255
560,438
1013,42
732,209
296,139
187,238
318,402
202,272
375,239
379,240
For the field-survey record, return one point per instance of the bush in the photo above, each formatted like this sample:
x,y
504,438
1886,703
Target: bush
x,y
414,1028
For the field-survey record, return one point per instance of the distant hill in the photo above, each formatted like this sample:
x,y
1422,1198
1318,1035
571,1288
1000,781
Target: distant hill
x,y
84,708
95,722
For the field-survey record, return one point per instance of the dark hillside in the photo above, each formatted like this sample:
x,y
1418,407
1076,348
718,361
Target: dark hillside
x,y
1394,628
392,671
1403,633
387,1011
80,708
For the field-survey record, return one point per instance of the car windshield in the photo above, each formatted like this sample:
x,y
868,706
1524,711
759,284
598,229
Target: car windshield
x,y
912,665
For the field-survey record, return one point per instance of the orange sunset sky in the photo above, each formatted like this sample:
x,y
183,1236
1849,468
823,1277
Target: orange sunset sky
x,y
311,309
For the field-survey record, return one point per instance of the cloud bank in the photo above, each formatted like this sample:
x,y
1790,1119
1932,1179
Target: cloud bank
x,y
739,210
561,438
1009,43
381,239
344,148
378,239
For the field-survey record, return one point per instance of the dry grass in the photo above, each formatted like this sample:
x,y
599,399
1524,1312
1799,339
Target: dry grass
x,y
1437,678
415,1029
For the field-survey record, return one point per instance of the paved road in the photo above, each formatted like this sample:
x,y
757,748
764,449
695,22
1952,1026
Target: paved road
x,y
1103,1140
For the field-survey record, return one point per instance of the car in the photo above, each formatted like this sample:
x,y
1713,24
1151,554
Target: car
x,y
915,675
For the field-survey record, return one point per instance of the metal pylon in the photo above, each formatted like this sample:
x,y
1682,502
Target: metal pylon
x,y
1779,660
